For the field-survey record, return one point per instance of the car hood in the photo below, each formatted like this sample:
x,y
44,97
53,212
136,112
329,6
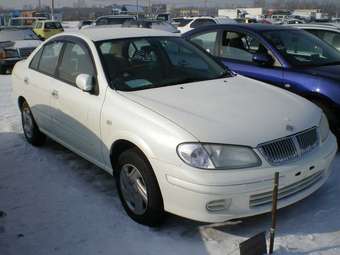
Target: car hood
x,y
236,110
325,71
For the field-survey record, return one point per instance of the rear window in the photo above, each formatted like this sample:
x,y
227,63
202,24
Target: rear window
x,y
52,25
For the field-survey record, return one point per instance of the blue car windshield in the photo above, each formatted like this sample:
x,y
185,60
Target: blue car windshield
x,y
145,63
302,49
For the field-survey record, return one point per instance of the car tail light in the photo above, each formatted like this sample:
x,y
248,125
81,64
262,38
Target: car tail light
x,y
2,54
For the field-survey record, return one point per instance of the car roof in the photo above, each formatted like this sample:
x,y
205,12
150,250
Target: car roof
x,y
107,33
255,27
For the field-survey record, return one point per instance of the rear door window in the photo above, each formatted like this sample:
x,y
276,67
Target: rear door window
x,y
49,58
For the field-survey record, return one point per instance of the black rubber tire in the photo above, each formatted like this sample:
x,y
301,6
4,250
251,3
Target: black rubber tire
x,y
37,138
334,125
154,214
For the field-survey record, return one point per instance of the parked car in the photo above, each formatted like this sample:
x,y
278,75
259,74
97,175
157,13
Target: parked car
x,y
117,20
189,23
152,24
15,45
24,22
44,29
84,23
329,34
284,56
293,21
171,122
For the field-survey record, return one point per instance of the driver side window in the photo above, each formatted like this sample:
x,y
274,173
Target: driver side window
x,y
242,47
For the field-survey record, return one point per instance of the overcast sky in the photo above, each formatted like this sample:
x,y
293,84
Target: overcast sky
x,y
60,3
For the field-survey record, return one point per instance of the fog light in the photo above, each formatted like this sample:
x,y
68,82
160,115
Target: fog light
x,y
218,205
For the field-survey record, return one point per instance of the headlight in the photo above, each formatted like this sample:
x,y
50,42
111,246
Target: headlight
x,y
216,156
323,128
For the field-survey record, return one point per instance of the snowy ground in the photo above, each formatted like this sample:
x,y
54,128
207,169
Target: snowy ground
x,y
54,202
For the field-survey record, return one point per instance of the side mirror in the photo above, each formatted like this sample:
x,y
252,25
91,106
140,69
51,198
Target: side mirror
x,y
263,59
85,82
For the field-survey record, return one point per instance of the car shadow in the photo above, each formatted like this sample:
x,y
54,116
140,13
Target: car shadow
x,y
317,214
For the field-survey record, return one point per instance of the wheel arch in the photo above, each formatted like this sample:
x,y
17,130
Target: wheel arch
x,y
121,145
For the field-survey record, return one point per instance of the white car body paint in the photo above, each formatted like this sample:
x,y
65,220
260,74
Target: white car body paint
x,y
234,110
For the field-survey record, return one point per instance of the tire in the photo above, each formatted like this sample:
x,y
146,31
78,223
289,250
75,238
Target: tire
x,y
31,129
334,125
138,189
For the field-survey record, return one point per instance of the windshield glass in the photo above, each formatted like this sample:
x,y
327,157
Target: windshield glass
x,y
302,49
15,35
143,63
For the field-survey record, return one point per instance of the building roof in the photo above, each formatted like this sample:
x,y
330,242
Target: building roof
x,y
107,33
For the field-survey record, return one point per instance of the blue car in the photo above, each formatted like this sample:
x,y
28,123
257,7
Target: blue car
x,y
286,57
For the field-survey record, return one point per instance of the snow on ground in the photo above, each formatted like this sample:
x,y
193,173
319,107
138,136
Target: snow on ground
x,y
57,203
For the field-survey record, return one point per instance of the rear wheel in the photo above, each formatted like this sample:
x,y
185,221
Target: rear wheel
x,y
138,188
31,130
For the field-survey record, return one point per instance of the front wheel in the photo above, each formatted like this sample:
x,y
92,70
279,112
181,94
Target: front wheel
x,y
31,130
138,188
330,116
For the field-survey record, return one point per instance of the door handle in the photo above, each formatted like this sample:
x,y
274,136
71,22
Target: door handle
x,y
55,94
26,80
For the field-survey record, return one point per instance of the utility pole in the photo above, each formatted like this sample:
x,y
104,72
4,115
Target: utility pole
x,y
137,4
52,10
39,5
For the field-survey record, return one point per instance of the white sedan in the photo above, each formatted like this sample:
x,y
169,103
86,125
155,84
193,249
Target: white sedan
x,y
181,133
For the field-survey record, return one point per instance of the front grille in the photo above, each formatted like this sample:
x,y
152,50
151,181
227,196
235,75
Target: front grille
x,y
285,192
25,52
290,148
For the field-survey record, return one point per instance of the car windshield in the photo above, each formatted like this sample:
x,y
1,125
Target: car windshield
x,y
302,49
144,63
16,35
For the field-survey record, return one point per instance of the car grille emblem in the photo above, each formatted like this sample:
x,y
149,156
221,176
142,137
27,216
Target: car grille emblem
x,y
289,128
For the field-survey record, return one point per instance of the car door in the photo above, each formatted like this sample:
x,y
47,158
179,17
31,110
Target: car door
x,y
76,115
39,81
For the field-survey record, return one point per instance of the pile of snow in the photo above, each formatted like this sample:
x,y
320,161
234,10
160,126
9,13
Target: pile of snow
x,y
54,202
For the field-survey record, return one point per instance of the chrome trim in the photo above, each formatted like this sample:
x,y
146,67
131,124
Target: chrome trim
x,y
290,148
287,191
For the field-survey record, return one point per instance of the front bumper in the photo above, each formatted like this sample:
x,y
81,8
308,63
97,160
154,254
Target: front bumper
x,y
187,191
